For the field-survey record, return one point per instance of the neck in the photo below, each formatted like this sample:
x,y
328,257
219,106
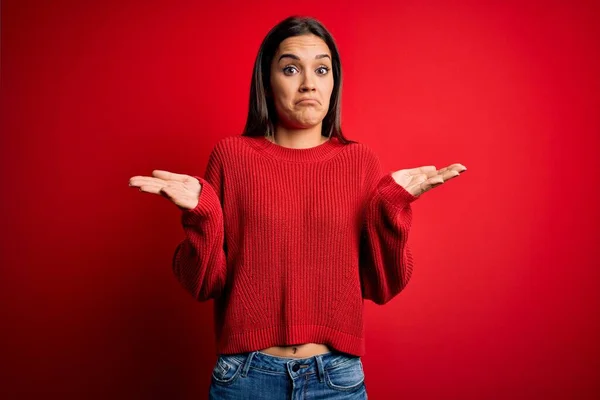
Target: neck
x,y
298,138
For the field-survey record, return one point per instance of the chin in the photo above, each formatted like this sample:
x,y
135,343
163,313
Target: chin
x,y
309,122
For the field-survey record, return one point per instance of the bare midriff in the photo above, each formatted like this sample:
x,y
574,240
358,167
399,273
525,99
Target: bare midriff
x,y
297,350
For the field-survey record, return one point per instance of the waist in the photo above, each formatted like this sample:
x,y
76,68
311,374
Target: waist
x,y
297,350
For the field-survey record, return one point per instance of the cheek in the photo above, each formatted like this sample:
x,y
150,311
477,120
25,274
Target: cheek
x,y
327,91
283,98
284,105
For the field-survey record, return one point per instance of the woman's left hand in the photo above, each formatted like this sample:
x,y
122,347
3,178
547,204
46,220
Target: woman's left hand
x,y
419,180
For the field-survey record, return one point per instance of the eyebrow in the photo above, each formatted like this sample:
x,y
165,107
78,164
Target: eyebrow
x,y
295,57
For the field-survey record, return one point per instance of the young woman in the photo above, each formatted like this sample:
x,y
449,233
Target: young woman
x,y
291,228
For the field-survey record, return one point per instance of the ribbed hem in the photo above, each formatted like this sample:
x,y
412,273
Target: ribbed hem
x,y
321,152
264,338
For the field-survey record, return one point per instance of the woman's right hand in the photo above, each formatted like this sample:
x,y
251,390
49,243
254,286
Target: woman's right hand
x,y
183,190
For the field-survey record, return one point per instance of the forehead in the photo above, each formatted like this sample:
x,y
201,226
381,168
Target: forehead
x,y
303,46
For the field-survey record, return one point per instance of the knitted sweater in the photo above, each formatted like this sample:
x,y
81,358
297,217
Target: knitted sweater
x,y
289,242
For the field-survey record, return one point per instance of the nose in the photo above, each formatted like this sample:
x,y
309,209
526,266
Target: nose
x,y
307,83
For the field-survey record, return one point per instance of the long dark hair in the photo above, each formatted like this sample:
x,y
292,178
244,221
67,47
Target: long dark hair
x,y
261,110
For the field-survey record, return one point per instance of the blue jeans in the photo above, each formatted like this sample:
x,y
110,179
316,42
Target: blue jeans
x,y
255,375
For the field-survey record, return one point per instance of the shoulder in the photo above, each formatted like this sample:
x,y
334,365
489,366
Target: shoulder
x,y
226,146
226,141
238,141
364,153
363,149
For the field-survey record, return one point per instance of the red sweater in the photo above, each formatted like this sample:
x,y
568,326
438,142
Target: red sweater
x,y
288,243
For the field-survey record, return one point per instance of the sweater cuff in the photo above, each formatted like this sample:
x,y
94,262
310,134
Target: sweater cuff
x,y
394,193
208,204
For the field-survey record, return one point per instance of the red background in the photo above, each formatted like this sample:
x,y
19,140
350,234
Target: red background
x,y
504,299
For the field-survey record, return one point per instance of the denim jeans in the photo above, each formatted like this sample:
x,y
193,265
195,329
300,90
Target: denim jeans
x,y
255,375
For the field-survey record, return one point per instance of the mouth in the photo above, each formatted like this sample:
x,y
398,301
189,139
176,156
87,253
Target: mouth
x,y
308,101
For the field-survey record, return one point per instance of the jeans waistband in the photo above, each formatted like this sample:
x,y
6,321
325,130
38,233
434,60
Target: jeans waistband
x,y
290,365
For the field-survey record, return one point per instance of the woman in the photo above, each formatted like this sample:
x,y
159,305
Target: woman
x,y
291,228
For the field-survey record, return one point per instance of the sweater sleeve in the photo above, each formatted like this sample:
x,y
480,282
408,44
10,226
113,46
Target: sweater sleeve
x,y
385,259
199,262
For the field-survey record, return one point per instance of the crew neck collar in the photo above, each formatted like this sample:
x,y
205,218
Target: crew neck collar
x,y
319,152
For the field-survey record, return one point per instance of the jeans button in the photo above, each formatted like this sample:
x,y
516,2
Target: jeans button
x,y
295,367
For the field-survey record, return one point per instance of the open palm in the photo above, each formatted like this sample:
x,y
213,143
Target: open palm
x,y
183,190
419,180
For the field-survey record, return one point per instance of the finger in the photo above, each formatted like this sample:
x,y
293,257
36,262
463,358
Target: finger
x,y
155,189
173,188
449,174
428,173
431,174
138,181
431,183
169,176
458,167
454,167
452,171
421,170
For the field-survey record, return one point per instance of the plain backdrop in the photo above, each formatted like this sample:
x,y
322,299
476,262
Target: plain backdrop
x,y
504,301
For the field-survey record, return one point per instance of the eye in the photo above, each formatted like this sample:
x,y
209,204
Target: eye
x,y
286,70
324,69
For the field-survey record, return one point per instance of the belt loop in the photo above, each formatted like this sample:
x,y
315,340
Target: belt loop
x,y
320,369
247,363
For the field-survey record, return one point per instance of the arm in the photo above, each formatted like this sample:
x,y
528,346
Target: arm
x,y
385,260
199,262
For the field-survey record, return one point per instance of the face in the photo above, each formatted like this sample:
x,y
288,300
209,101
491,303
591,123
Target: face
x,y
301,81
